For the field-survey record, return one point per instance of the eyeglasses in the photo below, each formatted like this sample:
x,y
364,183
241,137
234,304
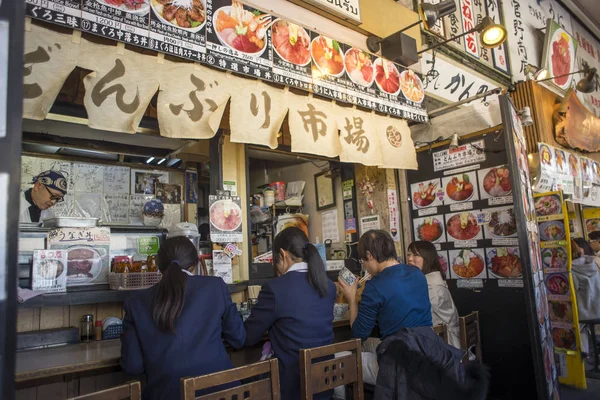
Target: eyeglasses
x,y
53,197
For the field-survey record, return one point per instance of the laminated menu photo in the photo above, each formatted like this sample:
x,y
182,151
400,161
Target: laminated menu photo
x,y
88,253
49,271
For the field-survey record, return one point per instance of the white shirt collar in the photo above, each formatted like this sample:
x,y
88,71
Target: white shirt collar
x,y
298,267
187,272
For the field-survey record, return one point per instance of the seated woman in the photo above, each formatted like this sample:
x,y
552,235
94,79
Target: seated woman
x,y
296,308
175,328
423,255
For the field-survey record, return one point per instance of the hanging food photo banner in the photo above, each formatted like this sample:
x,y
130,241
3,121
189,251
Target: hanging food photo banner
x,y
125,21
529,236
559,53
238,38
177,27
232,36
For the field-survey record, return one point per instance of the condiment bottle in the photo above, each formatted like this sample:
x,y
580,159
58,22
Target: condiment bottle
x,y
98,330
87,328
151,264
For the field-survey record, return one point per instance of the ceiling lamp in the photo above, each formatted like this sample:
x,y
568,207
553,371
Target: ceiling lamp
x,y
491,35
429,14
538,74
586,84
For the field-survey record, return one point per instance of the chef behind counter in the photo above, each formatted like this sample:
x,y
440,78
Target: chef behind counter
x,y
49,188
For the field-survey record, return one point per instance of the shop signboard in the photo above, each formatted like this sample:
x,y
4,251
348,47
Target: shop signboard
x,y
61,12
347,9
178,30
238,38
225,214
123,21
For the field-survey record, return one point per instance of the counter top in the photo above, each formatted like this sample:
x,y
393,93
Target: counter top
x,y
51,362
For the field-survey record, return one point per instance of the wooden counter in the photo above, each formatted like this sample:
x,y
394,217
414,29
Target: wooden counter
x,y
36,366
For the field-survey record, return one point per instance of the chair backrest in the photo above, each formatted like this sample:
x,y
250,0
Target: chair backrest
x,y
266,388
442,330
320,376
470,334
130,391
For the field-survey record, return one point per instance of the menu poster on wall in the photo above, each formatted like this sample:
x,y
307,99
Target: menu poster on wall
x,y
179,29
225,214
61,12
329,79
291,54
467,154
387,81
238,38
125,21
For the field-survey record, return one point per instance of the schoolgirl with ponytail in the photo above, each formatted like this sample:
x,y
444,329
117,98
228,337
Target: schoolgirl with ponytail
x,y
175,328
296,308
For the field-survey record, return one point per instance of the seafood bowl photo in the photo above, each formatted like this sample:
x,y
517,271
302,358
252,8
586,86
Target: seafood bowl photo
x,y
443,263
241,30
552,230
225,215
496,182
185,14
429,229
564,338
557,284
504,262
554,258
592,225
424,194
545,155
463,226
561,161
136,7
412,86
468,264
359,66
387,76
547,205
291,42
560,311
562,58
327,56
460,188
574,164
502,223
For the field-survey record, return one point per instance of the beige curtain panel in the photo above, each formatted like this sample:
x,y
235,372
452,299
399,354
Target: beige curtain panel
x,y
359,138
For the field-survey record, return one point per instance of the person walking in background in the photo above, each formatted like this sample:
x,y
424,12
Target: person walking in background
x,y
175,328
423,255
296,308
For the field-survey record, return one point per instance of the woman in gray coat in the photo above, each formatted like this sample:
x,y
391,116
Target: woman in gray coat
x,y
423,255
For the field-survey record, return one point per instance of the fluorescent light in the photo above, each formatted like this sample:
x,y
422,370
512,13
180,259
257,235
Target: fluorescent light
x,y
162,161
148,161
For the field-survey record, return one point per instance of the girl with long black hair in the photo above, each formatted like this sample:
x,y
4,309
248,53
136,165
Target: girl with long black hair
x,y
175,328
296,308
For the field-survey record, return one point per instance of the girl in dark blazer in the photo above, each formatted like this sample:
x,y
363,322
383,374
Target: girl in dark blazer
x,y
296,308
175,328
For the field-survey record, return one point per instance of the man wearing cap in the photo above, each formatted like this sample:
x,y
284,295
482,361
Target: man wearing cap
x,y
49,188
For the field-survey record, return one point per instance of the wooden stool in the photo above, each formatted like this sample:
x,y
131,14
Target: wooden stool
x,y
264,389
130,391
470,335
442,330
322,376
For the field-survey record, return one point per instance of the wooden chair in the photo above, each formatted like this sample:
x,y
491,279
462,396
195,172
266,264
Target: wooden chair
x,y
442,330
130,391
321,376
264,389
470,335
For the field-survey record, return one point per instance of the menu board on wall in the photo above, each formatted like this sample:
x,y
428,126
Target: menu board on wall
x,y
529,242
61,12
178,29
238,38
225,214
465,208
125,21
